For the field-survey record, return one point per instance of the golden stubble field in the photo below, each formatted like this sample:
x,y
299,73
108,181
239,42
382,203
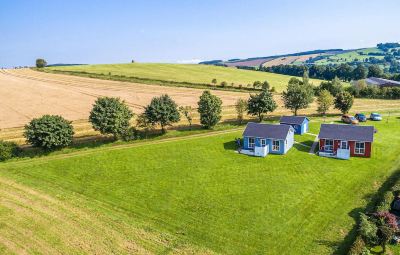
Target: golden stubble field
x,y
27,94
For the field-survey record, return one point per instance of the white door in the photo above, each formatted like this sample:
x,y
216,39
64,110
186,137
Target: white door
x,y
344,145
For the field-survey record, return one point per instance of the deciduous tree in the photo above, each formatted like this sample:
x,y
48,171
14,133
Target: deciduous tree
x,y
209,109
163,111
260,104
110,115
241,108
344,102
297,96
187,111
325,101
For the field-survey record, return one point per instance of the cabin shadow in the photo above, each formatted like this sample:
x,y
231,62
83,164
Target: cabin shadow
x,y
230,146
301,147
344,246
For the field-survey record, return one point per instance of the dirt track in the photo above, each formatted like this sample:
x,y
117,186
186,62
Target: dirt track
x,y
26,94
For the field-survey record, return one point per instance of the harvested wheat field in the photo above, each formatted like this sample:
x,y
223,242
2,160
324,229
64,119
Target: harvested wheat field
x,y
26,94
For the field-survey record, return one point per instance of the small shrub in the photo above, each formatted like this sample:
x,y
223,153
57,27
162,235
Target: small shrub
x,y
368,230
130,134
8,150
273,89
224,84
358,247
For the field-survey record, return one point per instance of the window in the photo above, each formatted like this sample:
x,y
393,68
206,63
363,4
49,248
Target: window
x,y
276,145
344,145
359,148
328,145
251,142
263,142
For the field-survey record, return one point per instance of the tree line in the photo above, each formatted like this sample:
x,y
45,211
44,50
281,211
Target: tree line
x,y
112,116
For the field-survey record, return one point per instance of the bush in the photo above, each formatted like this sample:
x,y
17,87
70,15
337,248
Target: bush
x,y
8,150
49,132
163,111
130,134
358,247
368,230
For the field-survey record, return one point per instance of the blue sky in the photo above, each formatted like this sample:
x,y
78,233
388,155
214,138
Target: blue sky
x,y
175,31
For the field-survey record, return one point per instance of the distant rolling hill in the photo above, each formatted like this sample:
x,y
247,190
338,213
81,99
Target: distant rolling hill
x,y
386,55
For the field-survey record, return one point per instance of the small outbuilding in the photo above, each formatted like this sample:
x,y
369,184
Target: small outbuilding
x,y
345,141
261,139
300,124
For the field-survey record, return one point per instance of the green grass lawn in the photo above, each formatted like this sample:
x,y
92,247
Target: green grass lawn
x,y
185,73
201,192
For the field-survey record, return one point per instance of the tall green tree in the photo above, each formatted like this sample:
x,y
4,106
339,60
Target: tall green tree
x,y
40,63
110,115
241,108
260,104
210,108
325,101
375,71
49,132
344,102
297,96
265,85
163,111
360,72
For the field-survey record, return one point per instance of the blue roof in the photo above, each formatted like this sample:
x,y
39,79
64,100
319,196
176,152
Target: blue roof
x,y
273,131
295,120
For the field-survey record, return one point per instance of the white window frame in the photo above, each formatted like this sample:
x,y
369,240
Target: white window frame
x,y
359,150
332,146
347,144
276,147
263,142
252,144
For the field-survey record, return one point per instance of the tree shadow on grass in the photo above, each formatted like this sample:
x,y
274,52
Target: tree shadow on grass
x,y
344,246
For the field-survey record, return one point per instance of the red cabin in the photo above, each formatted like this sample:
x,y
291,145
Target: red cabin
x,y
345,141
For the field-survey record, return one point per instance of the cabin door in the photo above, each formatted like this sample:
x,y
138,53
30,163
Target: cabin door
x,y
344,145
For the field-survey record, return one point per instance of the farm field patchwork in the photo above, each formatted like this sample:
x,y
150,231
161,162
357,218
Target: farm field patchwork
x,y
221,202
185,73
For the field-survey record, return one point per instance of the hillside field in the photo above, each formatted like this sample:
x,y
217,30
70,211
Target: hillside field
x,y
185,73
192,195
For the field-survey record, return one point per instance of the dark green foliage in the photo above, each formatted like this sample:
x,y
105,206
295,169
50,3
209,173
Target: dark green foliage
x,y
40,63
265,85
8,150
375,71
163,111
344,101
130,134
298,95
49,132
257,84
334,87
110,116
144,124
260,104
368,230
210,108
360,72
224,84
214,81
